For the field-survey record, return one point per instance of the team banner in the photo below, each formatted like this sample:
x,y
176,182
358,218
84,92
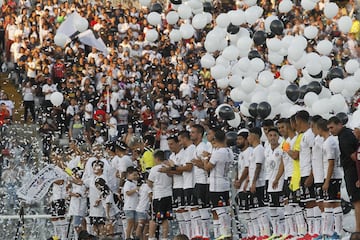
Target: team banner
x,y
39,185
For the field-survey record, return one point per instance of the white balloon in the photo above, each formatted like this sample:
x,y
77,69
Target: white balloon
x,y
221,60
259,96
81,24
252,14
199,21
145,3
257,64
268,21
310,98
244,64
321,106
351,66
175,35
61,39
222,83
154,18
56,98
299,41
275,58
266,78
274,100
151,35
207,61
326,63
288,73
331,9
223,20
248,85
244,109
325,93
172,17
295,53
345,24
187,31
250,2
244,44
308,4
285,6
237,17
218,72
286,41
310,32
236,121
184,11
195,5
324,47
211,45
273,44
337,103
209,17
313,67
231,52
235,81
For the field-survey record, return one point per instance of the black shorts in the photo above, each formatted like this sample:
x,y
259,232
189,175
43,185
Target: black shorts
x,y
201,195
256,199
319,192
58,208
307,193
242,200
161,209
276,199
178,198
97,221
189,199
350,176
286,189
219,199
333,193
266,194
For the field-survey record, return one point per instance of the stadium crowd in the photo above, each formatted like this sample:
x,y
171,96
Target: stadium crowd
x,y
118,108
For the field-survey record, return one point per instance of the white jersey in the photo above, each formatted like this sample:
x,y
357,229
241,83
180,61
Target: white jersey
x,y
178,181
273,164
221,158
201,176
288,161
162,183
78,205
94,195
268,158
331,150
306,145
130,201
257,157
243,162
58,192
122,163
317,160
144,200
188,177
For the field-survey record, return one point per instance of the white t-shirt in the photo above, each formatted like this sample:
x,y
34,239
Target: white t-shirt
x,y
109,201
58,192
78,206
331,150
306,145
221,158
288,161
144,200
88,108
46,88
317,159
201,176
122,163
178,181
244,160
94,195
130,201
162,183
257,157
188,177
273,164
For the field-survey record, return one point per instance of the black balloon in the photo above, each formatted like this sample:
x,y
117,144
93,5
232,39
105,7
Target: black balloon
x,y
263,109
343,117
302,91
253,110
226,113
176,2
336,72
207,7
253,54
292,92
319,75
156,7
231,138
233,29
315,87
259,38
277,27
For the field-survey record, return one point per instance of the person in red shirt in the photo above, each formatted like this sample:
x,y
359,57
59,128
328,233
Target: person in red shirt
x,y
148,119
4,114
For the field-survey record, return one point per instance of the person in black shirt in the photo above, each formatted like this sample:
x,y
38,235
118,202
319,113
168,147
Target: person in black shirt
x,y
348,148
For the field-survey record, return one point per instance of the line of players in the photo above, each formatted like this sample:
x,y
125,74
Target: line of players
x,y
289,187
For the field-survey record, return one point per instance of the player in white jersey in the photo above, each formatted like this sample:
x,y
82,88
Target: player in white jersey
x,y
276,181
307,178
219,166
333,174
